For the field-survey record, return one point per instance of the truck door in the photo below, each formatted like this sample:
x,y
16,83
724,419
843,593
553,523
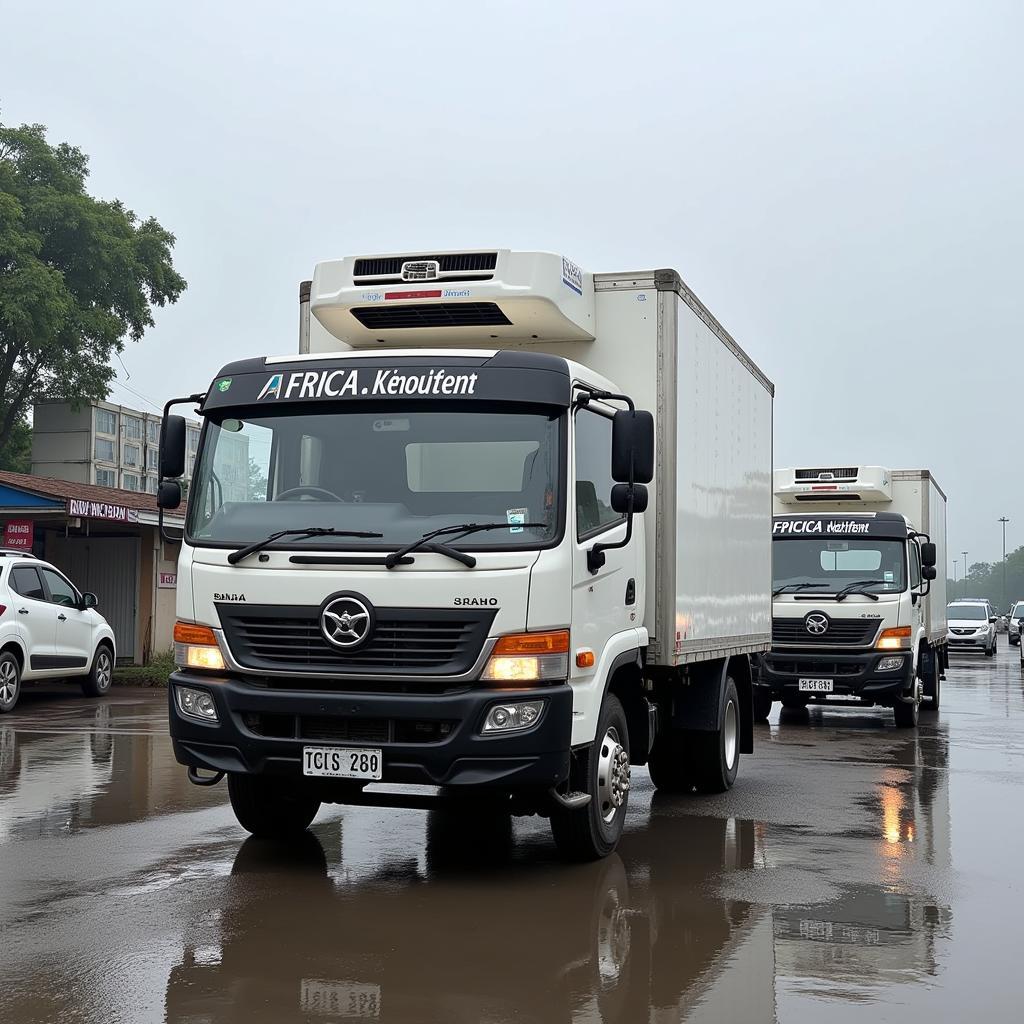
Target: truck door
x,y
604,601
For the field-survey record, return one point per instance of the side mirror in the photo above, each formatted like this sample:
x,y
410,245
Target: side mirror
x,y
929,556
626,499
89,600
172,450
169,494
633,446
928,572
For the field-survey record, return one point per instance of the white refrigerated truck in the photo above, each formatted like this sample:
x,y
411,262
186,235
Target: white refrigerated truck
x,y
859,612
422,550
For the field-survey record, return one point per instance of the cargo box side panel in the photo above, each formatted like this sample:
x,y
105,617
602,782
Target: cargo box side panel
x,y
723,468
936,528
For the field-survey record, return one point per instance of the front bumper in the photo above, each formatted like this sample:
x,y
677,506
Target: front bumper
x,y
428,739
977,644
853,675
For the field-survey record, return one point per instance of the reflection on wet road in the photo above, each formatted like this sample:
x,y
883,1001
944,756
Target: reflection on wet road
x,y
854,870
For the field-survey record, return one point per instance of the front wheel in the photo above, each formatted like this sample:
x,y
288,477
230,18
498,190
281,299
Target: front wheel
x,y
271,808
990,651
101,675
593,831
906,713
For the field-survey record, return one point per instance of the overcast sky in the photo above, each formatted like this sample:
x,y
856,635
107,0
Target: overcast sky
x,y
842,184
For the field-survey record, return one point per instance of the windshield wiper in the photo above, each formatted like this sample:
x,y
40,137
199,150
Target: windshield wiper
x,y
794,587
427,543
854,587
309,531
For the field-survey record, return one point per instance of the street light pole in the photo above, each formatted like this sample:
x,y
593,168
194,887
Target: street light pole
x,y
964,553
956,562
1004,521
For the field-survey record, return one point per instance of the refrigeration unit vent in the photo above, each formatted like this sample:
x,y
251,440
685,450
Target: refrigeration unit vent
x,y
452,266
440,314
846,474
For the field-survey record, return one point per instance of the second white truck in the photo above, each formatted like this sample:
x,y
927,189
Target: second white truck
x,y
422,550
859,612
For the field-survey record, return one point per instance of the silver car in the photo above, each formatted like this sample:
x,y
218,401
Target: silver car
x,y
1013,629
971,626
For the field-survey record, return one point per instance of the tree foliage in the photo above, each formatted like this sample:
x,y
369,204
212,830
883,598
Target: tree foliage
x,y
78,277
16,454
985,579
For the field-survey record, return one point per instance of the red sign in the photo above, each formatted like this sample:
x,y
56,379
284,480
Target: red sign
x,y
18,533
167,580
435,294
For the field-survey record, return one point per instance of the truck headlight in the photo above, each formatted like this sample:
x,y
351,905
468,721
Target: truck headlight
x,y
196,647
509,717
529,658
895,639
891,664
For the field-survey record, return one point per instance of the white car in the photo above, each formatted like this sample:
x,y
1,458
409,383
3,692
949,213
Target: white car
x,y
971,626
49,630
1013,623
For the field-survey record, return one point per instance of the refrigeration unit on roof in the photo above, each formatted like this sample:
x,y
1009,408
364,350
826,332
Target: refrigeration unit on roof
x,y
869,484
466,297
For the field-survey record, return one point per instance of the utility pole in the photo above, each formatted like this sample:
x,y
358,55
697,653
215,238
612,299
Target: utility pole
x,y
1004,521
964,553
956,562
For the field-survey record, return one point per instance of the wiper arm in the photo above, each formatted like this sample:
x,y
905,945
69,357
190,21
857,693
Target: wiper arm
x,y
309,531
794,587
854,587
463,530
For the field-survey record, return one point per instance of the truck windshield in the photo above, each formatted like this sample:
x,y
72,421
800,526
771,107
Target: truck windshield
x,y
837,563
398,473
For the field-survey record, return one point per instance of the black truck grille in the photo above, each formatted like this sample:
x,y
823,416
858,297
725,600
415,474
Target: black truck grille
x,y
405,641
816,669
336,729
842,632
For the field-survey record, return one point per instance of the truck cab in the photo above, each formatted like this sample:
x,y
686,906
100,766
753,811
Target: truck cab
x,y
854,620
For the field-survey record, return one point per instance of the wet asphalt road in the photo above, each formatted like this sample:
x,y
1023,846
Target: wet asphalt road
x,y
856,872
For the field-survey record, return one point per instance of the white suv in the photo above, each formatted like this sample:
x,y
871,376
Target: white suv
x,y
971,626
49,630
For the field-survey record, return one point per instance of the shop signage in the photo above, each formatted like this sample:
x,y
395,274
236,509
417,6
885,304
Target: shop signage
x,y
102,510
168,580
18,533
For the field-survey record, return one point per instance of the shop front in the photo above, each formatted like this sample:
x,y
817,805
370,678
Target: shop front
x,y
107,541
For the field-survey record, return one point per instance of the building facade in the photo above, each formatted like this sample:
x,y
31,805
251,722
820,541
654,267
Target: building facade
x,y
103,444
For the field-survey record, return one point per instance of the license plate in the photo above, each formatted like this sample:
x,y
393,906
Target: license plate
x,y
814,685
342,762
340,998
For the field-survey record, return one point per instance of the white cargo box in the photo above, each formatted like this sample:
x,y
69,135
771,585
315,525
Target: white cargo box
x,y
864,485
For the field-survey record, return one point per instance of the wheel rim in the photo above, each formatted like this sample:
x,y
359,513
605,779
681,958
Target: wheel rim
x,y
730,733
612,775
103,670
8,682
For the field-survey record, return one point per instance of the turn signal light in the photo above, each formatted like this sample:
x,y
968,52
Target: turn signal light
x,y
585,658
895,639
189,633
534,643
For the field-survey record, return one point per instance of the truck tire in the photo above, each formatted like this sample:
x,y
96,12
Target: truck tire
x,y
762,705
593,831
906,715
684,760
270,807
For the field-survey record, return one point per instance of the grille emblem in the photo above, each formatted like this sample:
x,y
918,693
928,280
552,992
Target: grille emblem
x,y
346,621
816,623
420,270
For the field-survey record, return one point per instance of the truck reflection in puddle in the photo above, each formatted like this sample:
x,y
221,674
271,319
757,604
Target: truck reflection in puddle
x,y
631,938
883,930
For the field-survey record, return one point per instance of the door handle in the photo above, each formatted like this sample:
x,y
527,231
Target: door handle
x,y
23,611
62,617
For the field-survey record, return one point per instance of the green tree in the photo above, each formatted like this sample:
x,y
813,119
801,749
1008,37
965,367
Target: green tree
x,y
78,276
16,454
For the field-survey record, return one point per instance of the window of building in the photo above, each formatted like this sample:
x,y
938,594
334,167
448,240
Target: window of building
x,y
106,422
106,478
153,431
152,458
131,454
130,481
133,428
104,450
594,483
151,484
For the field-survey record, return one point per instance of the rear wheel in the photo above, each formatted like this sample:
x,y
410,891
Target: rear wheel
x,y
101,675
593,831
10,682
270,807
